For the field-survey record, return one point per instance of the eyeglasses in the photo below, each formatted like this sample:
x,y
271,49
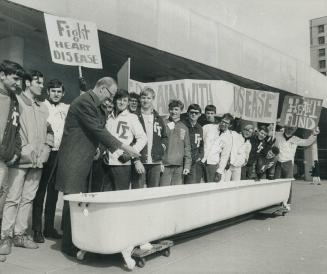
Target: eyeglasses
x,y
194,112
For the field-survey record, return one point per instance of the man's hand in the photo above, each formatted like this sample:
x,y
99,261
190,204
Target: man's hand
x,y
130,151
316,131
186,171
12,161
97,154
162,168
217,177
139,167
124,158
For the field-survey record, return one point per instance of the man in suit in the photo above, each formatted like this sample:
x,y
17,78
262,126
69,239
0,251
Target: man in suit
x,y
84,130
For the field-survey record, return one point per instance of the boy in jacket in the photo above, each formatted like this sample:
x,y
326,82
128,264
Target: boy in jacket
x,y
148,166
177,159
24,177
10,142
196,140
57,116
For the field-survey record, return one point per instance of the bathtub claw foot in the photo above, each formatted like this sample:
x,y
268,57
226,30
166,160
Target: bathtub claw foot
x,y
127,255
80,255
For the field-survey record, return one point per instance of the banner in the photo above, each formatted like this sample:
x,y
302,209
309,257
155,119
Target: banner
x,y
202,92
301,112
255,105
73,42
123,75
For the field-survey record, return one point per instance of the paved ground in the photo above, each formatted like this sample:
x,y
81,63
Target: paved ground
x,y
296,243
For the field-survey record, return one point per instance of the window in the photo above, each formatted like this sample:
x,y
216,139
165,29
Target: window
x,y
322,64
321,28
323,72
321,40
322,52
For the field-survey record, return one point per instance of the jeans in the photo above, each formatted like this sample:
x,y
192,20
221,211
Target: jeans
x,y
195,175
23,184
172,175
3,185
285,170
150,178
210,171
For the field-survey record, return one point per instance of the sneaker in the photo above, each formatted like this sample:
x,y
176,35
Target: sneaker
x,y
146,246
52,234
2,258
5,246
288,207
24,241
38,237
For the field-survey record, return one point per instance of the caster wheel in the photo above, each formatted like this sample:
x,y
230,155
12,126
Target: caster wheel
x,y
80,255
284,213
166,252
140,263
2,258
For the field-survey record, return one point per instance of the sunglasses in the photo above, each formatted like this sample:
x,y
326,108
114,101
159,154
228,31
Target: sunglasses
x,y
194,112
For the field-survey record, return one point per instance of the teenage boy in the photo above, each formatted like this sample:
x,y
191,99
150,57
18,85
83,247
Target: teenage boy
x,y
126,127
10,141
241,148
266,164
209,116
57,115
24,177
177,159
148,166
196,140
134,102
217,147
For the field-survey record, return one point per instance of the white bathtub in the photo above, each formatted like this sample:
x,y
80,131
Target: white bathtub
x,y
111,222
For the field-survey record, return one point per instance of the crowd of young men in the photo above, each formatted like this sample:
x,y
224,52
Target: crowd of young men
x,y
108,139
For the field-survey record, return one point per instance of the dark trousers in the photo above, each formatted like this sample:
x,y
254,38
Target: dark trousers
x,y
195,175
248,172
285,170
67,245
117,178
210,172
45,186
150,178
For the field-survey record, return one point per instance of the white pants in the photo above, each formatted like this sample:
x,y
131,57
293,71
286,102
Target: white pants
x,y
23,184
233,174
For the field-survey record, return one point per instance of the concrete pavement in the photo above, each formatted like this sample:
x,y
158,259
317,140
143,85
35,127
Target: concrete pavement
x,y
296,243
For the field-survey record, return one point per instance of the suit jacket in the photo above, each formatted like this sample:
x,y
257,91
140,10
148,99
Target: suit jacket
x,y
84,130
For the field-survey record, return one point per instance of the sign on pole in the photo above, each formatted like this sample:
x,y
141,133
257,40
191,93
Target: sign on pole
x,y
123,75
255,105
73,42
301,112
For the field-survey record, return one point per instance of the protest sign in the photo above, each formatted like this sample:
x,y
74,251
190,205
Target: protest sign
x,y
301,112
73,42
202,92
255,105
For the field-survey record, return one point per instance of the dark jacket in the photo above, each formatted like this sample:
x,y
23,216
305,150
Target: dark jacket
x,y
315,171
11,141
258,148
196,140
84,130
160,138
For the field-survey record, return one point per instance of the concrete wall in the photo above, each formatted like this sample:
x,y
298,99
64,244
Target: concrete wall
x,y
166,26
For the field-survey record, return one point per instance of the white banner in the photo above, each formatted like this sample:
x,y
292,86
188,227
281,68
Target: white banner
x,y
255,105
202,92
73,42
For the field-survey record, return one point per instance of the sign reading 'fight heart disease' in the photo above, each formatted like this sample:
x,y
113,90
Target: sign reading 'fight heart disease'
x,y
73,42
301,112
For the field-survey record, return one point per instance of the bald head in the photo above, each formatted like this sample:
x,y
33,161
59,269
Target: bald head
x,y
105,87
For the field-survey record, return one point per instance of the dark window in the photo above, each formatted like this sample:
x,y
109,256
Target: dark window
x,y
321,28
322,64
321,40
322,52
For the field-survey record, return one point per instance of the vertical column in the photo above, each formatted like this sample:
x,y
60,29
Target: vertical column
x,y
12,48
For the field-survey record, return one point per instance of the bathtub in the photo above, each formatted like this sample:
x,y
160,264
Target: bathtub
x,y
112,222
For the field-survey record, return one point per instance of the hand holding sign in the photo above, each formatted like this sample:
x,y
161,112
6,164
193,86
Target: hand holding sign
x,y
316,131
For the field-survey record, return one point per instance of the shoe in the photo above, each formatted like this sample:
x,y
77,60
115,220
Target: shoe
x,y
24,241
146,246
5,246
2,258
288,207
52,234
38,237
